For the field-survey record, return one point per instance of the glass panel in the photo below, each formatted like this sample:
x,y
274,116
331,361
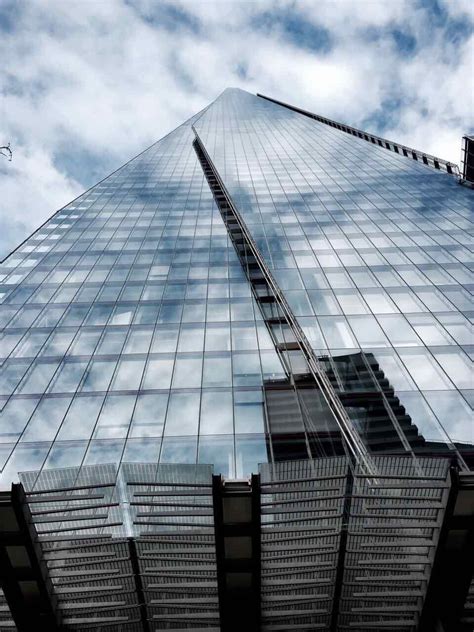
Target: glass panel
x,y
453,413
98,374
38,377
218,451
29,346
244,337
128,375
351,302
81,417
25,458
138,340
191,338
368,332
457,365
141,451
65,454
14,418
85,342
179,450
46,419
424,369
112,342
67,378
337,333
430,330
379,301
104,451
158,373
217,338
246,369
249,452
324,303
165,339
115,417
399,331
149,415
216,413
248,408
217,370
183,414
187,372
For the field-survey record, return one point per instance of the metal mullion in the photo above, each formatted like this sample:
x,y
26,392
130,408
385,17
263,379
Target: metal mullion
x,y
97,606
146,554
295,598
62,519
331,530
291,501
314,479
171,493
174,587
56,499
64,529
296,510
404,477
172,514
158,484
322,547
308,553
98,556
66,593
354,442
292,520
45,512
87,563
92,486
180,558
401,516
154,539
209,525
73,547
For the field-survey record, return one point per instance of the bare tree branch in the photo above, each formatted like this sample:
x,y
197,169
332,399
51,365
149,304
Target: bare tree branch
x,y
6,151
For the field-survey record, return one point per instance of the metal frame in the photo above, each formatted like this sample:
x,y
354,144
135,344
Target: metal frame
x,y
352,438
427,159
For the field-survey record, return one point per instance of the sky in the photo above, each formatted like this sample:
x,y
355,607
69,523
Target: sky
x,y
85,85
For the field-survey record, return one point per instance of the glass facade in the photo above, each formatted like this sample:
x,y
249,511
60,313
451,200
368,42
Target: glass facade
x,y
132,332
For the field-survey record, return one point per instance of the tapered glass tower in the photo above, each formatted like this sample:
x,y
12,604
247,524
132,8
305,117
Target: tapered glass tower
x,y
261,286
132,330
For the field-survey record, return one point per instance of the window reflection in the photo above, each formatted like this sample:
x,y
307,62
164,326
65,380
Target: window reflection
x,y
219,452
216,413
179,450
249,452
149,415
81,418
183,414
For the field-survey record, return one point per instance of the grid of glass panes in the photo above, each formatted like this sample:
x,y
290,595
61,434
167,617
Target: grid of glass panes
x,y
129,329
370,248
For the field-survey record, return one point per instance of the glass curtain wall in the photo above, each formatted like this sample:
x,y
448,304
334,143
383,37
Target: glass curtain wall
x,y
372,253
130,332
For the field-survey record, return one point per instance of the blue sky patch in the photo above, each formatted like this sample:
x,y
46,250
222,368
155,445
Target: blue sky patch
x,y
167,16
295,28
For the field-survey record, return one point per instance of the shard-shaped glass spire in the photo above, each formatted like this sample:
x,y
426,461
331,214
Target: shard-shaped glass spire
x,y
133,331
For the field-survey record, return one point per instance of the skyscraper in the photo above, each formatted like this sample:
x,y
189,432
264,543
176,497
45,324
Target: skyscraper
x,y
261,286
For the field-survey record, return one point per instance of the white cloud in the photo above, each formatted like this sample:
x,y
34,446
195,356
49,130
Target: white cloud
x,y
111,77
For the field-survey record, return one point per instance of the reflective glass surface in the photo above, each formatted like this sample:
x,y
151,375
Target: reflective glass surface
x,y
130,331
371,249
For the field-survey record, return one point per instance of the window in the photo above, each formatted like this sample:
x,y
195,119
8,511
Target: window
x,y
183,414
216,413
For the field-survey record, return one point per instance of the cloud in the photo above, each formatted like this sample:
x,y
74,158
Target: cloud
x,y
89,84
